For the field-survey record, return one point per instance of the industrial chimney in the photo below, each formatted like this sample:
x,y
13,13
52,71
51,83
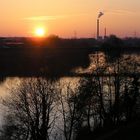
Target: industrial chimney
x,y
98,27
98,24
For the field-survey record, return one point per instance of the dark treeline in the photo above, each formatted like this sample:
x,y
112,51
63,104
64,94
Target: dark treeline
x,y
56,41
98,107
25,57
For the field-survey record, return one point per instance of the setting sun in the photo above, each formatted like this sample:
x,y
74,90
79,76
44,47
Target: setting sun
x,y
40,32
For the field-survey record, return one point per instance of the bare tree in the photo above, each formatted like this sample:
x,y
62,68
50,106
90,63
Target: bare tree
x,y
70,109
32,106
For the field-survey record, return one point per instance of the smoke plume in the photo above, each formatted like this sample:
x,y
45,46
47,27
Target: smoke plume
x,y
100,14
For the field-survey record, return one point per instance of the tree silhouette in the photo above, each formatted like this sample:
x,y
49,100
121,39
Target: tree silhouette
x,y
32,107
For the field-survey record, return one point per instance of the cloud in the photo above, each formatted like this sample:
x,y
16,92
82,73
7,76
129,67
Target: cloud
x,y
49,18
43,18
120,11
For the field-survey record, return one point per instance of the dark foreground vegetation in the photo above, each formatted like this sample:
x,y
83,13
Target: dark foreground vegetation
x,y
25,57
104,106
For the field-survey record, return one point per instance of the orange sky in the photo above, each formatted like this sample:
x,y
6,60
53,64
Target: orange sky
x,y
63,17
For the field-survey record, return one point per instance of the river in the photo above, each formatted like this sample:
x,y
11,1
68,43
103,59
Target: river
x,y
129,63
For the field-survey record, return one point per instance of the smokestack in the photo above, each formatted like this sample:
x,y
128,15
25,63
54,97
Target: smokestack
x,y
98,24
98,28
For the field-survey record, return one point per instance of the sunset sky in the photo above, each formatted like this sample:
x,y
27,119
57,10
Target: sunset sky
x,y
64,17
